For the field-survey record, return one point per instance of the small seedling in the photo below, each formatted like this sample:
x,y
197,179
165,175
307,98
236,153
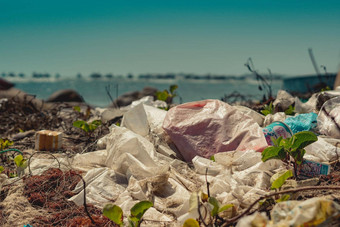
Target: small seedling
x,y
290,110
88,128
4,143
290,148
166,95
277,184
21,164
1,169
115,213
83,115
198,200
217,208
268,109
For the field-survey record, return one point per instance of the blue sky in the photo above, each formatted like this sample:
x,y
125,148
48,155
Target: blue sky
x,y
120,37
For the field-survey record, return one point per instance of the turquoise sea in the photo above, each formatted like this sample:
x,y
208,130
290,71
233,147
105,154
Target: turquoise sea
x,y
94,90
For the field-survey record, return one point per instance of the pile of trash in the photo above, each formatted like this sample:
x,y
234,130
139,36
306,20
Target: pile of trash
x,y
206,147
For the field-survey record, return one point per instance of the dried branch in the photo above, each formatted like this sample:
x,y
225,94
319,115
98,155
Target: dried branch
x,y
85,206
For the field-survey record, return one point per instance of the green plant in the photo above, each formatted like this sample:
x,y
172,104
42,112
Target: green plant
x,y
88,128
277,184
290,110
21,164
115,213
82,114
166,95
198,200
268,109
290,148
4,143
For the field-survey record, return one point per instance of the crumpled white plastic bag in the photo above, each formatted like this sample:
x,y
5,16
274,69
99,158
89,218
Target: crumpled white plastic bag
x,y
207,127
102,185
329,118
322,151
283,99
132,155
311,212
270,118
259,118
307,107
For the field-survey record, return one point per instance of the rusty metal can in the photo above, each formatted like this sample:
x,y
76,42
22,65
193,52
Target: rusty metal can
x,y
276,129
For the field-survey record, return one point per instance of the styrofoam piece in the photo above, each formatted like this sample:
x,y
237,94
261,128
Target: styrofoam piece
x,y
47,140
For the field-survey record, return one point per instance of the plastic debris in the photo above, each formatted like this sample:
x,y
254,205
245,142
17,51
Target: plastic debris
x,y
302,122
310,169
259,118
322,151
270,118
311,212
275,130
329,118
307,107
283,100
136,163
207,127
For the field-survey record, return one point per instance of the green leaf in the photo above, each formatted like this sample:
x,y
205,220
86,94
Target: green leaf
x,y
191,223
265,112
283,198
212,158
225,207
162,95
133,221
277,141
1,169
114,213
76,108
303,139
173,88
268,109
213,201
5,143
281,179
96,122
139,209
78,124
290,110
298,155
204,197
266,202
287,143
18,160
273,153
85,127
12,175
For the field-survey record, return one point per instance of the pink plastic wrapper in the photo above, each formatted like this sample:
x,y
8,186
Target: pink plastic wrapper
x,y
207,127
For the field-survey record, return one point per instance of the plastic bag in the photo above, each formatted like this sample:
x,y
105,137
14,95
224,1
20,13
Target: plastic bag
x,y
283,100
302,122
207,127
329,118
